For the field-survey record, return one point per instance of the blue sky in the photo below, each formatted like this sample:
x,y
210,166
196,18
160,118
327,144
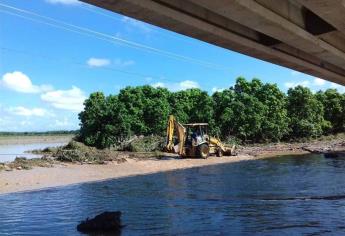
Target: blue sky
x,y
54,53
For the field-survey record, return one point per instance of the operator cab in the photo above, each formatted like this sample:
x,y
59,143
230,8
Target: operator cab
x,y
196,133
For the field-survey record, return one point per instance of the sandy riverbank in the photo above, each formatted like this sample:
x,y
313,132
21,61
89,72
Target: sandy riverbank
x,y
65,174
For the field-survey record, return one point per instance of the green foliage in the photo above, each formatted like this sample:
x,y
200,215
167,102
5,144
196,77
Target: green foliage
x,y
92,130
306,113
192,105
104,121
146,144
334,109
249,111
145,106
275,124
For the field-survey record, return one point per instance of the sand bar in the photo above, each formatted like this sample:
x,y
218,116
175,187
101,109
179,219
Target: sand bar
x,y
66,174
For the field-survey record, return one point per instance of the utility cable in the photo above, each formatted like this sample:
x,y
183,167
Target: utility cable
x,y
41,56
107,37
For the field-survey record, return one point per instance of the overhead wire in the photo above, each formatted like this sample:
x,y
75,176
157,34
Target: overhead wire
x,y
106,37
81,64
89,8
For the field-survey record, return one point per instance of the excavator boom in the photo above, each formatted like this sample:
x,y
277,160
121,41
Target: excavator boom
x,y
173,126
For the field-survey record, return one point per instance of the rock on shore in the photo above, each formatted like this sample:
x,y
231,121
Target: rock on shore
x,y
108,222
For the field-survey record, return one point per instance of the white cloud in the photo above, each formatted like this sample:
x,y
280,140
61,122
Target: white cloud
x,y
158,85
123,63
36,119
63,123
23,111
25,123
216,89
20,82
304,83
183,85
319,82
72,99
188,84
148,79
64,2
98,62
339,87
138,24
295,73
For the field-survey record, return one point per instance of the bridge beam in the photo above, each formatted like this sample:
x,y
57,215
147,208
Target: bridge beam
x,y
290,33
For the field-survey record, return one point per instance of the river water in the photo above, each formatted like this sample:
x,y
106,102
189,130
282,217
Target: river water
x,y
9,152
289,195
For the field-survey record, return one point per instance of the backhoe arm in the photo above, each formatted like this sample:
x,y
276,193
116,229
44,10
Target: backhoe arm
x,y
172,127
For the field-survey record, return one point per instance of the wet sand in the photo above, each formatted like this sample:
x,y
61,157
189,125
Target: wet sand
x,y
66,174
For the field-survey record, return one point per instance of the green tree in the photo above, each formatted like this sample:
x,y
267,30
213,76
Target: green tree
x,y
93,119
147,107
275,124
117,122
306,113
133,100
246,117
334,112
251,110
223,112
156,109
192,105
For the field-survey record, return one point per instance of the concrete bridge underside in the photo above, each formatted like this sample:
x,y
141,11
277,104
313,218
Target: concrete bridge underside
x,y
304,35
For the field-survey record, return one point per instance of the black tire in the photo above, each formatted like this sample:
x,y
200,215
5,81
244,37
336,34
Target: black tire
x,y
203,151
219,152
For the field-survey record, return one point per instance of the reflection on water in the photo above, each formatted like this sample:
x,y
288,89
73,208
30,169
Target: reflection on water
x,y
274,196
11,151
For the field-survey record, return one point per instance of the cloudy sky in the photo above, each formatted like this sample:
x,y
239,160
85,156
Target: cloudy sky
x,y
54,53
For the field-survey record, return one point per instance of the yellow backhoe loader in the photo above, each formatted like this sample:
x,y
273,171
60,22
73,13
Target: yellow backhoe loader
x,y
192,140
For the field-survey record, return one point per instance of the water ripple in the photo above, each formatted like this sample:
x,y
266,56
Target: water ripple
x,y
287,195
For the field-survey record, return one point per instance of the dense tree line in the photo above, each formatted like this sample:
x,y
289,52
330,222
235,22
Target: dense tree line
x,y
250,111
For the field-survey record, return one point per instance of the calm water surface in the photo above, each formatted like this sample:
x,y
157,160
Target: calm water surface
x,y
282,196
9,152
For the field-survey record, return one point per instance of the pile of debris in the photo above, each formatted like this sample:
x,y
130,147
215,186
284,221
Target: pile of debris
x,y
79,152
76,152
331,149
22,163
145,144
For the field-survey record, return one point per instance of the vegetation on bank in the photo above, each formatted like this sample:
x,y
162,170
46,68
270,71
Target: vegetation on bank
x,y
73,152
150,146
249,111
21,163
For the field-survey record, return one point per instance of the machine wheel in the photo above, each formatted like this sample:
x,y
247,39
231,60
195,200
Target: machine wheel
x,y
219,152
203,151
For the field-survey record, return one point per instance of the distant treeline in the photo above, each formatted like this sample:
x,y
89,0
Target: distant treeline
x,y
249,111
62,132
